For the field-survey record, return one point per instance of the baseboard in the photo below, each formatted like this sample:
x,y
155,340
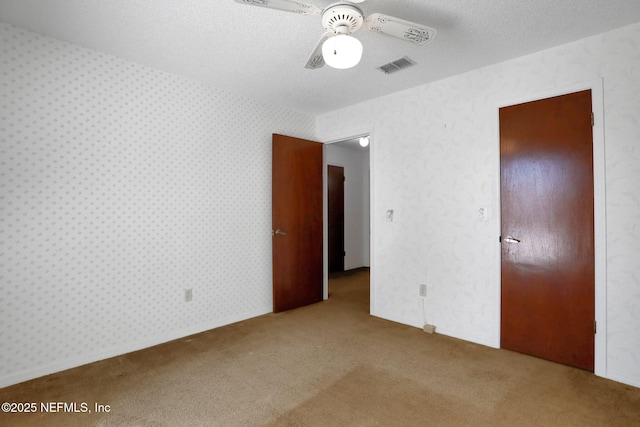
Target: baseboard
x,y
467,336
84,359
454,333
393,318
632,380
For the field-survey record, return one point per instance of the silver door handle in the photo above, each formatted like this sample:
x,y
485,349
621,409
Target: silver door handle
x,y
278,232
510,239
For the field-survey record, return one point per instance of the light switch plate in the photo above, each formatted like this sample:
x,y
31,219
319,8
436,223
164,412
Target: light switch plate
x,y
483,214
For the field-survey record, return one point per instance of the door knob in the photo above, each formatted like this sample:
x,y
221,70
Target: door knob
x,y
510,239
278,232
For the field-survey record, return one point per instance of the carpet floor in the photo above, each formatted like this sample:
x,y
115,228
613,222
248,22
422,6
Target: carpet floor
x,y
328,364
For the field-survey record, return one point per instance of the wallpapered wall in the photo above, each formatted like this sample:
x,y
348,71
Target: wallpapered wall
x,y
120,187
435,164
356,202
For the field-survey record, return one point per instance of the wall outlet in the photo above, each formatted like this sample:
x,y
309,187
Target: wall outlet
x,y
188,295
423,290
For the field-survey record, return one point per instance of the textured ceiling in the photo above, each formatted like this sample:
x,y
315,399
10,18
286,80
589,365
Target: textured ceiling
x,y
261,53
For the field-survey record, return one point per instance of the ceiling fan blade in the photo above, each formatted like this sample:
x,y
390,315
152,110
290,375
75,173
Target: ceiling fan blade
x,y
286,5
316,60
399,28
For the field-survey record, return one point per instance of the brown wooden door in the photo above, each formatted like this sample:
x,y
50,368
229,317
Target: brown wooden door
x,y
297,222
335,189
548,301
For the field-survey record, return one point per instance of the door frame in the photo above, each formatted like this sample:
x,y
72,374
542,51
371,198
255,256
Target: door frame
x,y
363,132
599,215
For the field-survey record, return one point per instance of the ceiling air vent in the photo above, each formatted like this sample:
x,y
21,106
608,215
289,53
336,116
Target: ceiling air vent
x,y
396,65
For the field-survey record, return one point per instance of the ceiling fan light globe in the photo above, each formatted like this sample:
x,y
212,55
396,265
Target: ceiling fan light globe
x,y
342,51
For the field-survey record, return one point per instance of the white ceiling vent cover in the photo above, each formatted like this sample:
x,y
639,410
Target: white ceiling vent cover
x,y
397,65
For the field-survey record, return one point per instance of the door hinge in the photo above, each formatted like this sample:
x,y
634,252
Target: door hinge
x,y
595,327
593,119
344,179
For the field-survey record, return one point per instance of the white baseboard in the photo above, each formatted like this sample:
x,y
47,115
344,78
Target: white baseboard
x,y
84,359
621,377
459,334
393,318
466,336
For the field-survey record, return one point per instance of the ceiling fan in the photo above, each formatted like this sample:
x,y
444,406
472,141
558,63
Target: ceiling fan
x,y
337,48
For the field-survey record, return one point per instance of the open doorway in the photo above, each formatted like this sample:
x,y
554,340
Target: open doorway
x,y
351,253
335,218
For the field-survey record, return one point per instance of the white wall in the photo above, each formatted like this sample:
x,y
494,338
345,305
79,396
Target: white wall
x,y
436,164
120,187
356,202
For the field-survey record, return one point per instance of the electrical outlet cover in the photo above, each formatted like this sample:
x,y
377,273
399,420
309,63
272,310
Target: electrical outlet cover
x,y
423,290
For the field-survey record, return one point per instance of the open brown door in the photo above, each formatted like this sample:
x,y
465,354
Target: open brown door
x,y
335,207
548,301
297,222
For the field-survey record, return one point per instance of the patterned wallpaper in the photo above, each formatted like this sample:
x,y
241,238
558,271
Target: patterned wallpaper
x,y
120,187
436,164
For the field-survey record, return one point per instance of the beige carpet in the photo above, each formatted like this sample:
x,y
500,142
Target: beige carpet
x,y
330,364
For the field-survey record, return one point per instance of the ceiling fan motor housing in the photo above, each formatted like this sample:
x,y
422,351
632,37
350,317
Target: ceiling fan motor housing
x,y
340,16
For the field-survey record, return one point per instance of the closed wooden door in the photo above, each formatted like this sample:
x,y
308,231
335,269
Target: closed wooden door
x,y
548,301
335,202
297,224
